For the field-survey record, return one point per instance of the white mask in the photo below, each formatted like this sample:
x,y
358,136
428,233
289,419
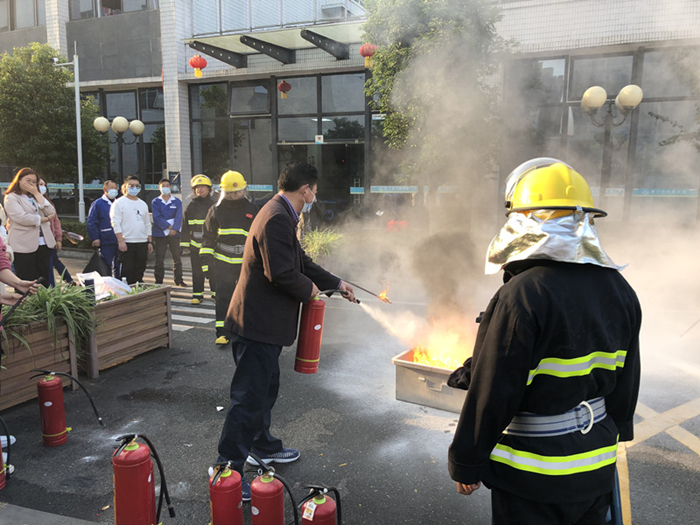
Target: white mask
x,y
112,193
308,205
42,189
165,190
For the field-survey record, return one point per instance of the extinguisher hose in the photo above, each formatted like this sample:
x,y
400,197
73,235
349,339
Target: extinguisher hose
x,y
163,484
92,401
7,434
271,471
322,489
7,314
342,292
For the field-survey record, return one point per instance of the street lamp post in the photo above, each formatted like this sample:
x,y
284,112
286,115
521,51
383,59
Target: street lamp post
x,y
626,101
119,126
76,78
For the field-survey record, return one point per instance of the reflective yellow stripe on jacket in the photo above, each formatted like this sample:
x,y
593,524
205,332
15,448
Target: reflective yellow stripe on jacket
x,y
555,465
579,366
206,251
196,244
230,260
232,231
194,222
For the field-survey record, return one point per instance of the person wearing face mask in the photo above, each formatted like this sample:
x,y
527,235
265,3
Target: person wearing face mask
x,y
99,227
55,263
167,224
29,217
192,235
132,227
225,230
276,277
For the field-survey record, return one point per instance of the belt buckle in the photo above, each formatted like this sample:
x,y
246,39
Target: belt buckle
x,y
589,426
238,249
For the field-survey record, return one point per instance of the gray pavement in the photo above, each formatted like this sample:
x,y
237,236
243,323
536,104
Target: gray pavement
x,y
388,458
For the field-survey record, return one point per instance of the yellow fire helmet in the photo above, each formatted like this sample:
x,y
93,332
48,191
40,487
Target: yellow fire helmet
x,y
200,180
548,184
232,181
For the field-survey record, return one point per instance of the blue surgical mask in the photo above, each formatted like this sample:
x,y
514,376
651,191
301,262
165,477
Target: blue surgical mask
x,y
134,191
165,190
308,205
42,189
112,194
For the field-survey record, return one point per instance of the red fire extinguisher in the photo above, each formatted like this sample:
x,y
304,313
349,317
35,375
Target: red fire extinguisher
x,y
267,497
134,483
225,496
318,509
310,333
52,409
5,469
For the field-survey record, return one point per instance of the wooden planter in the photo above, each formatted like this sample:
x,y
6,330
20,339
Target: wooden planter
x,y
15,385
129,326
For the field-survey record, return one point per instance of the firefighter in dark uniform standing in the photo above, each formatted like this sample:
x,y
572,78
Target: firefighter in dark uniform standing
x,y
553,382
225,232
191,236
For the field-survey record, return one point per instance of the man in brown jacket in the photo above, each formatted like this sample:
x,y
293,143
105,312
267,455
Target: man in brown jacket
x,y
276,276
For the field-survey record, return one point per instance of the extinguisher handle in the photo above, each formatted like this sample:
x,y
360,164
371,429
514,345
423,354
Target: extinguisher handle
x,y
342,292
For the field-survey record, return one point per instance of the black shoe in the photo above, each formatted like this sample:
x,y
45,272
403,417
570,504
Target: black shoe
x,y
181,283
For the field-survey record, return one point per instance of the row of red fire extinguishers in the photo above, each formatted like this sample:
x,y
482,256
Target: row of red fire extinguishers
x,y
134,480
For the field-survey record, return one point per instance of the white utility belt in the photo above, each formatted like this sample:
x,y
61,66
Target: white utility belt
x,y
581,418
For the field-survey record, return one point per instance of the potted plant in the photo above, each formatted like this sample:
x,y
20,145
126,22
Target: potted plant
x,y
129,325
43,332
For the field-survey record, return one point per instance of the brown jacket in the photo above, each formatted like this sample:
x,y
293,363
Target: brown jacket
x,y
276,276
23,223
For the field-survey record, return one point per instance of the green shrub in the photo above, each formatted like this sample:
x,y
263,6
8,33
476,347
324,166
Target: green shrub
x,y
70,225
320,243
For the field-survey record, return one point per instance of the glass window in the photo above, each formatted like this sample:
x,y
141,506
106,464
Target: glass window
x,y
154,153
4,15
24,13
235,15
343,93
81,9
250,99
121,104
210,148
349,127
302,98
134,5
266,15
611,73
41,12
151,102
209,100
252,149
536,81
670,73
297,129
532,132
111,7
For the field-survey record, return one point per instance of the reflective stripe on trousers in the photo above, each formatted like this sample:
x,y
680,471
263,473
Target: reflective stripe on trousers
x,y
232,231
230,260
579,366
555,465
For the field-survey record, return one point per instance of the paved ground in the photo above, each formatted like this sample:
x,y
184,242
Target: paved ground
x,y
388,458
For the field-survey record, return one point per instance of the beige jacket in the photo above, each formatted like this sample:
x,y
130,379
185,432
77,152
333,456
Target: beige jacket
x,y
23,223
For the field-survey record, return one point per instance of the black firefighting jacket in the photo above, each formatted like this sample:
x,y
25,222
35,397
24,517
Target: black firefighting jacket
x,y
226,230
554,335
193,222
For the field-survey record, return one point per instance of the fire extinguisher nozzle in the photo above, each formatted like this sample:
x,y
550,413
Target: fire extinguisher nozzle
x,y
171,511
102,423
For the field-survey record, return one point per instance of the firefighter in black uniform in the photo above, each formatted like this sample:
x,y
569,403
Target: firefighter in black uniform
x,y
191,236
553,382
225,232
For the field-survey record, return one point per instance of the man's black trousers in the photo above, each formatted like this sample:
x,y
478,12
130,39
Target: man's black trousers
x,y
172,243
254,390
198,274
133,261
227,275
509,509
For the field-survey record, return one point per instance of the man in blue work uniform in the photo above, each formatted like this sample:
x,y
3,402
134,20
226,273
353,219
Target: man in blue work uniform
x,y
99,227
553,382
167,224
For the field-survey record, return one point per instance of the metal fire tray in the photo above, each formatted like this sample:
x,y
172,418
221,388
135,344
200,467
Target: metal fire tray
x,y
425,384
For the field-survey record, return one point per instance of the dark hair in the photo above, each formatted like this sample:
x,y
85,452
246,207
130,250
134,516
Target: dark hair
x,y
295,174
14,185
107,183
161,181
129,178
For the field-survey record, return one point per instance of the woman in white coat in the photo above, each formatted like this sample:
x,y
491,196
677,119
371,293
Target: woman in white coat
x,y
29,225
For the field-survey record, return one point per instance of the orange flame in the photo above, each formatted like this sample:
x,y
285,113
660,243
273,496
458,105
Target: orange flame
x,y
382,295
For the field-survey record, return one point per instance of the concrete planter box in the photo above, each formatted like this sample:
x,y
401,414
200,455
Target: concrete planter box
x,y
15,385
127,327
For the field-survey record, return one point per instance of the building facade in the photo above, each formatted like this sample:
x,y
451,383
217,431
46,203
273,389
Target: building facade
x,y
134,60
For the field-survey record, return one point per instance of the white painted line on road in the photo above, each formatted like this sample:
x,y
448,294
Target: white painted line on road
x,y
181,327
194,309
190,319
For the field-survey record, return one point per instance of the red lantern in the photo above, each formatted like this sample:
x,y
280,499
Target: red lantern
x,y
367,51
284,87
198,63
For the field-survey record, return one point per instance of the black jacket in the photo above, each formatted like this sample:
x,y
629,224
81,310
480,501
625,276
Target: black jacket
x,y
227,225
563,313
275,278
193,222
